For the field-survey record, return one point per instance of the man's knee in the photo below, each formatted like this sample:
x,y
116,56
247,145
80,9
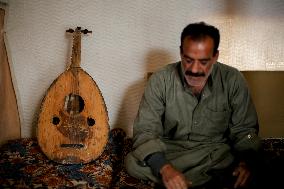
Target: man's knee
x,y
138,171
132,167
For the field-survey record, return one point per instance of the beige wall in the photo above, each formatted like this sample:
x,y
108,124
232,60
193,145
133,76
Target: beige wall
x,y
130,38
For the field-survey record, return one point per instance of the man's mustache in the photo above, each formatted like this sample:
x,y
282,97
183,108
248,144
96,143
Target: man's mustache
x,y
200,74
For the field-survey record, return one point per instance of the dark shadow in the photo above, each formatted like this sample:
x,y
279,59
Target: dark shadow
x,y
35,119
154,61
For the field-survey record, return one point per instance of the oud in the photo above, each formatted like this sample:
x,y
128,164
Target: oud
x,y
73,121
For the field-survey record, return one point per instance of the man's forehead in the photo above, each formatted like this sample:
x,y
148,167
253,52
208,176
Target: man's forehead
x,y
200,39
198,43
200,46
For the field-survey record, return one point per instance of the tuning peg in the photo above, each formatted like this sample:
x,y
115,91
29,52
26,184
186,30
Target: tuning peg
x,y
85,31
70,30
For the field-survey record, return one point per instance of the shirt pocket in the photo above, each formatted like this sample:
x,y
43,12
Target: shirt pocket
x,y
216,122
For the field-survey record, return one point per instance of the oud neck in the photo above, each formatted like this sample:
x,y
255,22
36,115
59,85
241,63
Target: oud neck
x,y
76,47
76,50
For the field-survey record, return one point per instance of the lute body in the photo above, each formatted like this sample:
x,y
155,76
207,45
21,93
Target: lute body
x,y
73,121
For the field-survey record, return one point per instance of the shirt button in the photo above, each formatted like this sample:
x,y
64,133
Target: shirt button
x,y
142,163
249,136
195,122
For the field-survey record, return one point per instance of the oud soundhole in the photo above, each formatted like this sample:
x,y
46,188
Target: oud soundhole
x,y
74,104
55,120
91,121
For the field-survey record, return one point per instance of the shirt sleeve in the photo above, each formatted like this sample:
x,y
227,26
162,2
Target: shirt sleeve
x,y
244,122
156,161
147,128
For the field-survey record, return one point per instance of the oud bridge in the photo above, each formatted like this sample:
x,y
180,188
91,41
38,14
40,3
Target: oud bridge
x,y
78,146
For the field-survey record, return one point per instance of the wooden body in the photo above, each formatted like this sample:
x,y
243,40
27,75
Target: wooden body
x,y
51,136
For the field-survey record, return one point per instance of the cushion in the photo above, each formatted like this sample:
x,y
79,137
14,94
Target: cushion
x,y
23,164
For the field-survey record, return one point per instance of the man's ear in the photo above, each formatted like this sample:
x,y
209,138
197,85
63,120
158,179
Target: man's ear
x,y
180,51
216,56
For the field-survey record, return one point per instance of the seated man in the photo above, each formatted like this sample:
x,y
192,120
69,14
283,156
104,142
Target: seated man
x,y
196,126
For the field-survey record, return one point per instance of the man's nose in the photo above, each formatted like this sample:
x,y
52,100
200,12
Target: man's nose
x,y
195,67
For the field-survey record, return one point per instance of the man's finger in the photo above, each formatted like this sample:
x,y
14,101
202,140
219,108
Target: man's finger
x,y
236,172
180,183
169,185
244,181
176,183
173,184
239,180
183,184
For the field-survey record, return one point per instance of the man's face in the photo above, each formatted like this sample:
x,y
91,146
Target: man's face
x,y
197,60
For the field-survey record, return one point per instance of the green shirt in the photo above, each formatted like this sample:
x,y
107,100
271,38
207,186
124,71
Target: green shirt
x,y
196,135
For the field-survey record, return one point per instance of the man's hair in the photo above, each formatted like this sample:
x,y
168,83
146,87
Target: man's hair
x,y
200,30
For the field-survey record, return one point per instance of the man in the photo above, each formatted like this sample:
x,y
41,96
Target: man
x,y
196,126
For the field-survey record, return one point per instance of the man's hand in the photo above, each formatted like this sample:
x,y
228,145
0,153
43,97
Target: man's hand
x,y
243,174
173,179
